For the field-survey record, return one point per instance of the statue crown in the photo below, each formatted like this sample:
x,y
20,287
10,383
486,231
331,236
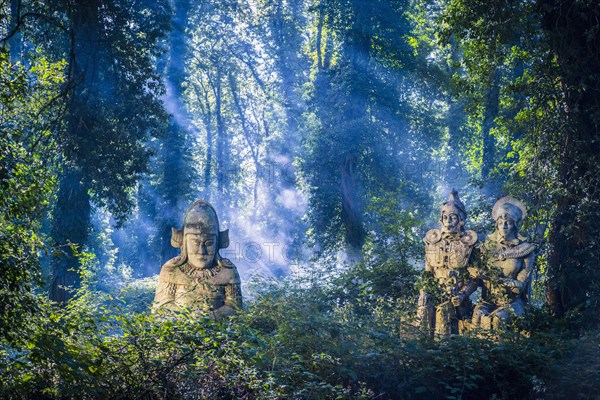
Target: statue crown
x,y
454,204
511,206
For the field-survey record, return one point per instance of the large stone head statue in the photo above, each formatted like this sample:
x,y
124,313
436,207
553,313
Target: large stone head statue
x,y
453,214
200,238
508,214
199,279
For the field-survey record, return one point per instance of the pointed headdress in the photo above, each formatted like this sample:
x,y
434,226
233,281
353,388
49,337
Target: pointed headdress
x,y
455,206
200,218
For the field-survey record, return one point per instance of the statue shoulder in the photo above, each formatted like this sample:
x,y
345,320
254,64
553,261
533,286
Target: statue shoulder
x,y
525,244
524,249
174,262
226,263
168,268
432,236
229,273
469,238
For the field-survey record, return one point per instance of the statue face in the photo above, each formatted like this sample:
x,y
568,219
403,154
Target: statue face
x,y
450,222
507,227
201,249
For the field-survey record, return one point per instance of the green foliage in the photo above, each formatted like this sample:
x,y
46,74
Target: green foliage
x,y
538,54
368,121
507,87
116,97
27,114
386,268
295,340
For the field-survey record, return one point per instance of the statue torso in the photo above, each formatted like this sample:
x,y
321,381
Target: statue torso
x,y
447,256
505,261
203,289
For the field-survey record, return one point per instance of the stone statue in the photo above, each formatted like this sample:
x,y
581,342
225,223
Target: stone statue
x,y
506,275
199,279
444,298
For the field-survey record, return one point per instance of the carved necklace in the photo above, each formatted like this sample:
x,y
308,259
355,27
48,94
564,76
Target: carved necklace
x,y
513,251
200,274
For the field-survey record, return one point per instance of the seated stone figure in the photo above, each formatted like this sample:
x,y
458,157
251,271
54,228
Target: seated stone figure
x,y
199,279
444,298
507,271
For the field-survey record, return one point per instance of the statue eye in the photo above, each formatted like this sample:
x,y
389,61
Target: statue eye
x,y
209,243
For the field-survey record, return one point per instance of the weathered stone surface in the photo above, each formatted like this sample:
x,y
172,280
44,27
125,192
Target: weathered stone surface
x,y
506,274
449,251
199,279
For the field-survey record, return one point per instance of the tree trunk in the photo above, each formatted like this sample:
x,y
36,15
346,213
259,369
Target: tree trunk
x,y
454,121
247,136
351,209
177,52
492,103
14,43
209,152
222,167
286,61
176,185
70,226
572,28
72,214
355,114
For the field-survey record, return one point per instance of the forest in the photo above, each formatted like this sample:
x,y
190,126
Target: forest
x,y
326,134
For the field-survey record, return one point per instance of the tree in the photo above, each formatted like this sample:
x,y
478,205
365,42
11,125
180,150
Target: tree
x,y
103,155
229,94
573,31
177,174
549,121
30,120
367,126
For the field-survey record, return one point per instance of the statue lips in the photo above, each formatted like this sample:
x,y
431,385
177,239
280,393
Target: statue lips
x,y
199,260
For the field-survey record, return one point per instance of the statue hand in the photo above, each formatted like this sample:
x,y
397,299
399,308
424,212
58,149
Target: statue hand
x,y
457,299
475,272
516,286
507,282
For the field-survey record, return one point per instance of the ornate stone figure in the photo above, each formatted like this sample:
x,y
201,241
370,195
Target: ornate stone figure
x,y
199,279
444,299
506,274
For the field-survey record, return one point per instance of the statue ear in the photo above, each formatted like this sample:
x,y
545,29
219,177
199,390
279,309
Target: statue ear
x,y
224,239
176,238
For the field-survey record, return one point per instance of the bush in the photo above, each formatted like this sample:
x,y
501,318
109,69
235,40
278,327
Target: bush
x,y
295,340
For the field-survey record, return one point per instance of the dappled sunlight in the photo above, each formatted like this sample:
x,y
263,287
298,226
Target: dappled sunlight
x,y
331,255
